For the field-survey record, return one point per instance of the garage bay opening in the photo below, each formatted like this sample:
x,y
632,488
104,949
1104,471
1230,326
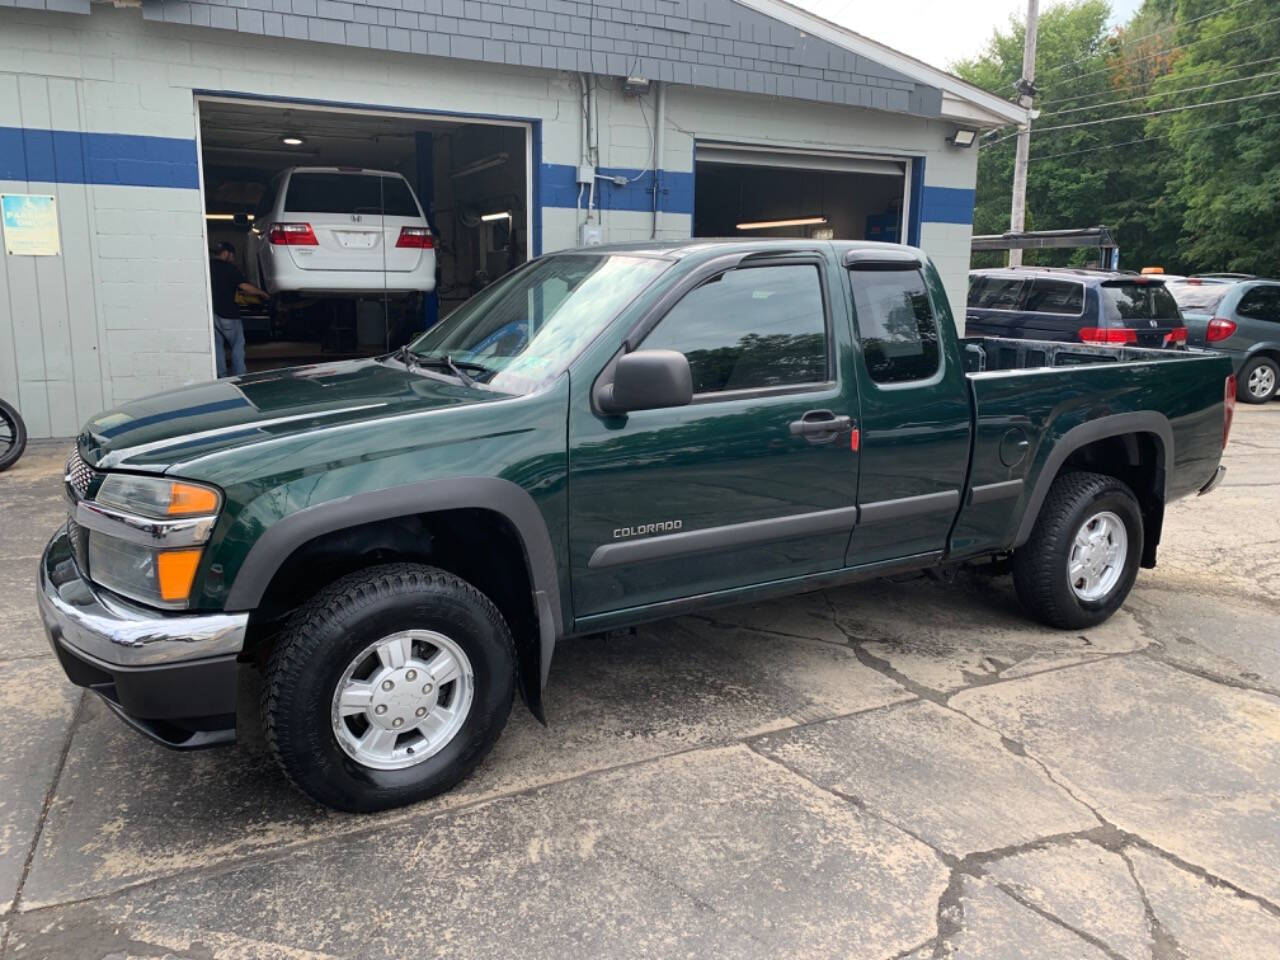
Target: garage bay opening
x,y
365,227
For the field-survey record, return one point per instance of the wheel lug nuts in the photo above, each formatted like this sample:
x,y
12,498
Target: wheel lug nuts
x,y
387,684
421,712
411,675
426,688
398,721
380,709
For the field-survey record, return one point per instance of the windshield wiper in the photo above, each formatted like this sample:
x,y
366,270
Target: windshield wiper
x,y
456,367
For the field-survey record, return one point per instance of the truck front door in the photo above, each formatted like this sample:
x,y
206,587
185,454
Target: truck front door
x,y
755,480
915,408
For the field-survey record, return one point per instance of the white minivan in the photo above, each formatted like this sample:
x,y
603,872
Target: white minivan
x,y
342,230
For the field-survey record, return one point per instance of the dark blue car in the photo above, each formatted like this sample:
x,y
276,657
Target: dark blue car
x,y
1080,306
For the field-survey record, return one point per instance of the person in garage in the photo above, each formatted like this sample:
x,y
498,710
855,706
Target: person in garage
x,y
228,331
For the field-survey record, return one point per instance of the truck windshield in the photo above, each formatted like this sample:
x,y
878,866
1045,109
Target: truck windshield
x,y
523,330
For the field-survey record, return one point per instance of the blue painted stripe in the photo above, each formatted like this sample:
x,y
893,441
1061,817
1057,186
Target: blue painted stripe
x,y
558,187
917,201
116,159
947,205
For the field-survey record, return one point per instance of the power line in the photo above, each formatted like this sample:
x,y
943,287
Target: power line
x,y
1175,49
1147,83
1154,33
1140,116
1162,93
1163,136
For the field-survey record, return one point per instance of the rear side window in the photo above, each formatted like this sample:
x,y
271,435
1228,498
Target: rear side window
x,y
995,293
1261,303
896,324
350,193
1055,296
1122,301
1198,297
749,329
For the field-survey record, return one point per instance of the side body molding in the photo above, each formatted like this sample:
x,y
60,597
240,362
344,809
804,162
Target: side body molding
x,y
1115,425
285,536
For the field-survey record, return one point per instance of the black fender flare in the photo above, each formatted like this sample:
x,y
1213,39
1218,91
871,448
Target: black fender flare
x,y
503,497
1115,425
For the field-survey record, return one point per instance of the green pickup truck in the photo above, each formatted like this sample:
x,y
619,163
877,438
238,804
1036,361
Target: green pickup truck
x,y
603,437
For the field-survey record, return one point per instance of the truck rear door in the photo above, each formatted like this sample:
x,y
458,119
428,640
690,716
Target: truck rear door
x,y
915,405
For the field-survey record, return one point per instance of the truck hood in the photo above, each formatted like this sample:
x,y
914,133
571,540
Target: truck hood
x,y
159,431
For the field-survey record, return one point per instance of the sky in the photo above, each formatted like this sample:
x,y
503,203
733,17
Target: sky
x,y
938,32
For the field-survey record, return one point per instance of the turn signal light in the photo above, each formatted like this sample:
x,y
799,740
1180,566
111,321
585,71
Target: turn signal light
x,y
292,235
186,499
1107,335
1220,328
416,238
175,572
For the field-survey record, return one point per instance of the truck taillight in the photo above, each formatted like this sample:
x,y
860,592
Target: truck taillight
x,y
1108,335
292,235
1220,328
1228,408
417,238
1176,335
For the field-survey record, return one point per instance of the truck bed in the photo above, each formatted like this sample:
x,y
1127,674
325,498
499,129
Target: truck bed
x,y
1029,394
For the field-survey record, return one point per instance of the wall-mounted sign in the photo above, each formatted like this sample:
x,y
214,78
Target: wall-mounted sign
x,y
30,225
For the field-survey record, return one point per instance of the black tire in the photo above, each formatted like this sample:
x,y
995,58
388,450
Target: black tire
x,y
1041,565
320,641
13,436
1258,365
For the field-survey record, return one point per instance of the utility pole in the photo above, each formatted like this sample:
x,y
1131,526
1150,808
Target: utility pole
x,y
1026,93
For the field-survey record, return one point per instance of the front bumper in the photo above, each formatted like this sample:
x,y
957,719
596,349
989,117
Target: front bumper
x,y
170,676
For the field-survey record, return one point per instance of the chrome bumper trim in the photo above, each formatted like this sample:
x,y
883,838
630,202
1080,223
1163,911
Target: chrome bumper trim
x,y
113,631
1214,480
144,531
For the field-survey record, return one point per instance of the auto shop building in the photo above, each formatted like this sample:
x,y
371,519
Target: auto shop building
x,y
523,126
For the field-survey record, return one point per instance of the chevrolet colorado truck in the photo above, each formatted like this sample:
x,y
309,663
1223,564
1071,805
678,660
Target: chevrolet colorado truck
x,y
603,437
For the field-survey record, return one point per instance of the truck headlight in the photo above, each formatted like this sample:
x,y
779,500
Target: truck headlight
x,y
147,536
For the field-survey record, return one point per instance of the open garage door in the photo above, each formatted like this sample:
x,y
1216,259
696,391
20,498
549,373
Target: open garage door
x,y
753,191
364,226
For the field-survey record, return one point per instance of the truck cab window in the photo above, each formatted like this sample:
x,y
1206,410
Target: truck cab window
x,y
749,329
896,325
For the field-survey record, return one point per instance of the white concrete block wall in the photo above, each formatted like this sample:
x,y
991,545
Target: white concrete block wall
x,y
125,311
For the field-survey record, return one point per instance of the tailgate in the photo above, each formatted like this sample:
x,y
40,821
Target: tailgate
x,y
356,217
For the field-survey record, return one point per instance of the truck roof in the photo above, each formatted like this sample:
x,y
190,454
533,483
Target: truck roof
x,y
679,249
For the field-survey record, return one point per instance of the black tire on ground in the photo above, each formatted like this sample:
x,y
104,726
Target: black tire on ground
x,y
323,638
13,436
1041,566
1259,366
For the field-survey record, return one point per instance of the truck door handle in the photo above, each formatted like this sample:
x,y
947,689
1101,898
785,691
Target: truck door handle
x,y
820,426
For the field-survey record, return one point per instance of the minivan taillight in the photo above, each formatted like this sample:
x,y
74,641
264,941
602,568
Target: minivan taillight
x,y
1108,335
1228,408
292,235
1176,335
417,238
1220,328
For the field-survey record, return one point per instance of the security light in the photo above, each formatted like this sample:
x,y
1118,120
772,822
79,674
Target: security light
x,y
963,138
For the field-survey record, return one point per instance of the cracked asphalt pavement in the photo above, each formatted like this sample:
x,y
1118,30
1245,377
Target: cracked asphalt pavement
x,y
897,769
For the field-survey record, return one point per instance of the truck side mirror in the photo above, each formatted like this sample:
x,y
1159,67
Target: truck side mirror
x,y
647,380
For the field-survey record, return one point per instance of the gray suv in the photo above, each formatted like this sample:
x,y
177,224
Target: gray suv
x,y
1240,317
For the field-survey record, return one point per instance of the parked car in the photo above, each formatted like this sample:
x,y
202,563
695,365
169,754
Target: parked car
x,y
655,429
1240,317
1081,306
343,230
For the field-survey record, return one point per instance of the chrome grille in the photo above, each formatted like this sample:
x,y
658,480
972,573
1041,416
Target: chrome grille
x,y
79,475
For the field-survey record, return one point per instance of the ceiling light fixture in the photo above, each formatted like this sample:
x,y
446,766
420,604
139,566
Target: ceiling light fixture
x,y
490,217
292,140
770,224
229,216
488,163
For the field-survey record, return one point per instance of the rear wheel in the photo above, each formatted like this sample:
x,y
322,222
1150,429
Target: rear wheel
x,y
13,436
388,687
1259,379
1082,558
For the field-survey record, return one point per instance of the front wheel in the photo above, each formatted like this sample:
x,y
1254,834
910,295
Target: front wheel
x,y
13,436
389,687
1259,379
1082,558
